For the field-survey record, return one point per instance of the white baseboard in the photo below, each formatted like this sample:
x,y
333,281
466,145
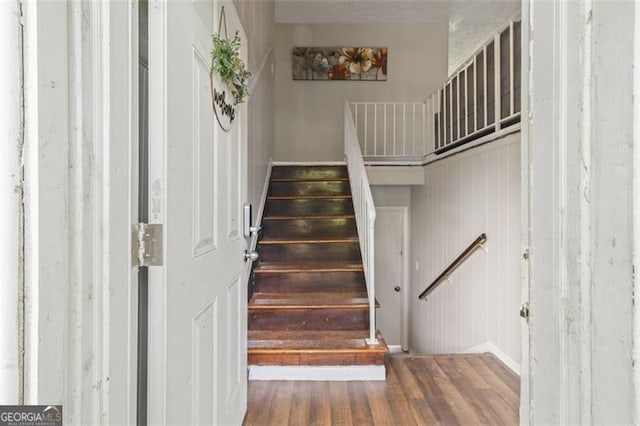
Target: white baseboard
x,y
309,163
318,373
493,349
395,349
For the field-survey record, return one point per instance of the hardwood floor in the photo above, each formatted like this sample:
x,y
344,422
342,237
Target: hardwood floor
x,y
420,390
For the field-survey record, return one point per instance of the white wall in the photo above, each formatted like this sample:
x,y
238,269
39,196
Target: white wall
x,y
391,196
463,196
395,175
257,17
309,114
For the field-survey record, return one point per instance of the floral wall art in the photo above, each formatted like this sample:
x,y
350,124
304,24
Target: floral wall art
x,y
340,63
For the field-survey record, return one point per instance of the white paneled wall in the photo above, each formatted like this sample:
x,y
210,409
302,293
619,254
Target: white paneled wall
x,y
260,150
463,196
257,19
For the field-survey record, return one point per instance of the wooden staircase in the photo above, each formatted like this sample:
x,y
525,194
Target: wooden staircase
x,y
309,305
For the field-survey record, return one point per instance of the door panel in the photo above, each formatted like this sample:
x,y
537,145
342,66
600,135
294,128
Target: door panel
x,y
197,343
205,208
389,233
205,337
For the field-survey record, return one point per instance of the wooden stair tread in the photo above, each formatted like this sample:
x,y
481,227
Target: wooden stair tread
x,y
309,216
311,179
309,197
308,172
334,341
306,335
310,281
281,267
314,240
309,300
310,188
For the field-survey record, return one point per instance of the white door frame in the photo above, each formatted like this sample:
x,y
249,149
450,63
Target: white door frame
x,y
404,324
525,205
11,207
80,168
585,234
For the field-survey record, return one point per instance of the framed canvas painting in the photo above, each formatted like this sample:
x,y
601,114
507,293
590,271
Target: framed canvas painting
x,y
340,63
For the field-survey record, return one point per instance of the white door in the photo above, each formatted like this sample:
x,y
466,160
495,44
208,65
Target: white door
x,y
198,299
390,265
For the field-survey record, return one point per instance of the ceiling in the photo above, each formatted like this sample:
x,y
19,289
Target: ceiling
x,y
379,11
471,22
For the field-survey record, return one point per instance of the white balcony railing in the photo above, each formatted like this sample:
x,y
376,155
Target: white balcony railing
x,y
480,99
393,129
365,211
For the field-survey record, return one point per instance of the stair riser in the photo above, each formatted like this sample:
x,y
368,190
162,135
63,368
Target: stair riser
x,y
306,172
320,252
310,281
321,188
309,319
310,228
309,207
317,359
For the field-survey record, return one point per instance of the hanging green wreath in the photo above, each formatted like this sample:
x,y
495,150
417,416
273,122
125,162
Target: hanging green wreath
x,y
226,62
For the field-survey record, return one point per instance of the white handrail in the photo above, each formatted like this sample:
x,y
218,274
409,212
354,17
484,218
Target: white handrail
x,y
365,211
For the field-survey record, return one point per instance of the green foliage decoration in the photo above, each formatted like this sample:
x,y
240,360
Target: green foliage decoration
x,y
226,62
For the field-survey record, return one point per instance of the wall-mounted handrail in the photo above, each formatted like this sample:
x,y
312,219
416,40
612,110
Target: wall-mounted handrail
x,y
365,211
478,242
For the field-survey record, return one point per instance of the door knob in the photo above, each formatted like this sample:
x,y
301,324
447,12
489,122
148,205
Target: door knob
x,y
251,255
524,311
397,288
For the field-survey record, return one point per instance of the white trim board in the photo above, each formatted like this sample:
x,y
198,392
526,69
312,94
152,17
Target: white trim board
x,y
309,163
11,208
636,203
494,350
318,373
433,158
395,349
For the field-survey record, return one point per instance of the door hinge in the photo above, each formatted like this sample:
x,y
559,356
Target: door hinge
x,y
146,244
525,311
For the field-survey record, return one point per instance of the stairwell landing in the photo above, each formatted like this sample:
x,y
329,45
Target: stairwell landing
x,y
309,311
